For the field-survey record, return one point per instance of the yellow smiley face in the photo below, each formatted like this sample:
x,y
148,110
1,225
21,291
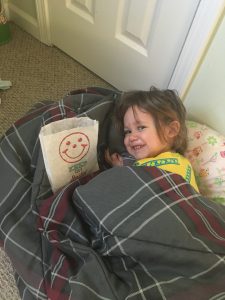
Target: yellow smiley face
x,y
74,147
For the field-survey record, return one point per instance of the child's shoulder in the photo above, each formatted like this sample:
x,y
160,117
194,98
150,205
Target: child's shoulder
x,y
174,155
169,154
168,157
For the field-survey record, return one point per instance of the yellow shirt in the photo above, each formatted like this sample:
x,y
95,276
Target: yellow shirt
x,y
172,162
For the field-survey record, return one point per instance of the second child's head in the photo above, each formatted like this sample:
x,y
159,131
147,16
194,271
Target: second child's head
x,y
153,122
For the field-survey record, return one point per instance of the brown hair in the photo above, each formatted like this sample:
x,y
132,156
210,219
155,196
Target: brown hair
x,y
164,106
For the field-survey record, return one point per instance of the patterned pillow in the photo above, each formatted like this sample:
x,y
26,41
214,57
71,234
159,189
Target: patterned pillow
x,y
206,152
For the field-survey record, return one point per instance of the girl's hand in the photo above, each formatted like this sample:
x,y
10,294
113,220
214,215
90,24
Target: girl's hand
x,y
113,160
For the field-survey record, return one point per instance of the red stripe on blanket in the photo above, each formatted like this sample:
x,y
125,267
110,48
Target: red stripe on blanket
x,y
193,208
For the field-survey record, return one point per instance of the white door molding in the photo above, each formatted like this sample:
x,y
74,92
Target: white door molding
x,y
197,41
43,21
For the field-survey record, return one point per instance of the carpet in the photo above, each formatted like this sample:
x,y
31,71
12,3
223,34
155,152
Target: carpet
x,y
37,72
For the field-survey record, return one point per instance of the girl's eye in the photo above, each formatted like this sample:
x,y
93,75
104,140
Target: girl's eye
x,y
141,128
126,131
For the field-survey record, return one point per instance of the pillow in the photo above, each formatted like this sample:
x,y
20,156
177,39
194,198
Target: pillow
x,y
206,152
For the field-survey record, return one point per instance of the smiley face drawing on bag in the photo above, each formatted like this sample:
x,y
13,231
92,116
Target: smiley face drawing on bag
x,y
74,147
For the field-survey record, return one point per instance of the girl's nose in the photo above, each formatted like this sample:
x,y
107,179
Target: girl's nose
x,y
133,137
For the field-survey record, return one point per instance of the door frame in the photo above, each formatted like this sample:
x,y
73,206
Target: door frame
x,y
43,21
203,28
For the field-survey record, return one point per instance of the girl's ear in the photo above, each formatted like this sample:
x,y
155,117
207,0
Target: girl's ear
x,y
173,129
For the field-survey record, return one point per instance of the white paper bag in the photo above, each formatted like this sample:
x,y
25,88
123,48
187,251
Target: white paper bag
x,y
69,148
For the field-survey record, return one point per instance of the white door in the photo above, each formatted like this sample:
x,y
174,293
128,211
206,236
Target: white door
x,y
129,43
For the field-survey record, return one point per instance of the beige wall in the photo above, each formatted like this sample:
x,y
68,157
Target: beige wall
x,y
205,100
24,14
27,6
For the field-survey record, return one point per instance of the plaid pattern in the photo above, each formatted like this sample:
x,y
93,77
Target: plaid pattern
x,y
126,233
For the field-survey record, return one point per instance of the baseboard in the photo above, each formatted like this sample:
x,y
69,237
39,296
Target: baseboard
x,y
22,19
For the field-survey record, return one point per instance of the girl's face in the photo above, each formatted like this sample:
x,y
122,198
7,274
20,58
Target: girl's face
x,y
141,138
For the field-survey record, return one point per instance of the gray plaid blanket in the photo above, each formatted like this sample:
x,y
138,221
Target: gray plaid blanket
x,y
125,233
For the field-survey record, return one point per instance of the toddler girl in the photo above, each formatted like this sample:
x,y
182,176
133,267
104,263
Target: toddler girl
x,y
155,132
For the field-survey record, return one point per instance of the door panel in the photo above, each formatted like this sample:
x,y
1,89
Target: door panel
x,y
134,24
83,8
129,43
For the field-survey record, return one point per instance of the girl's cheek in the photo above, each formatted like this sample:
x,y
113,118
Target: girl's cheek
x,y
125,141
